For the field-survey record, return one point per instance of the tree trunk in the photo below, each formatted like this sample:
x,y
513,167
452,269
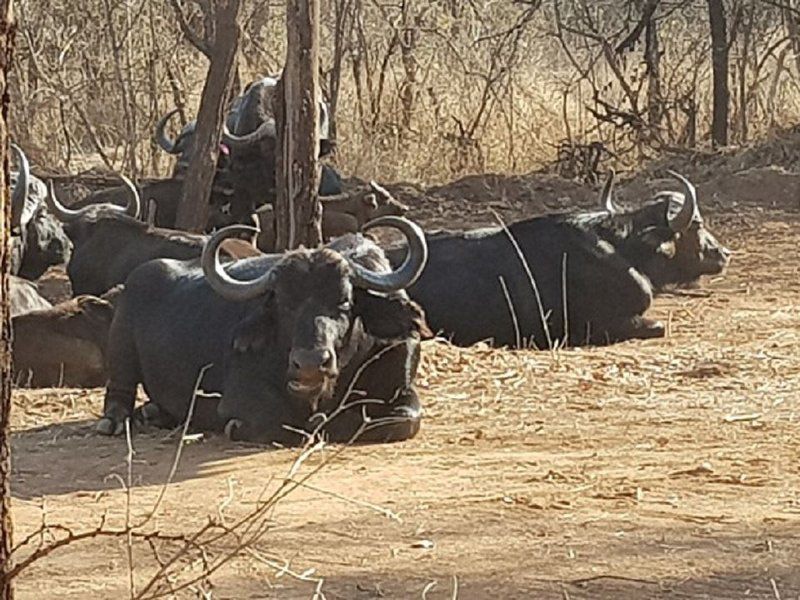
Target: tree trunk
x,y
193,207
719,59
652,58
298,212
341,30
7,30
792,18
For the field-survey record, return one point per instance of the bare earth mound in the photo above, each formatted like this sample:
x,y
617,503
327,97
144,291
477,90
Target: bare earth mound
x,y
658,469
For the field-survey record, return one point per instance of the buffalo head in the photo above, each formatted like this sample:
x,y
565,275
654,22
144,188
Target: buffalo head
x,y
666,239
38,239
254,123
316,312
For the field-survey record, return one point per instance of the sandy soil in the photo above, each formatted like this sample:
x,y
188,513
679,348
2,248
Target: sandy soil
x,y
658,469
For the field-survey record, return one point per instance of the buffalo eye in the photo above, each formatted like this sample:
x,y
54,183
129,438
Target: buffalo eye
x,y
345,306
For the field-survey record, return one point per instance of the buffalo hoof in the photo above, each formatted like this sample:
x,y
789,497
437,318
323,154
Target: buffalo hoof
x,y
107,426
151,415
407,412
648,328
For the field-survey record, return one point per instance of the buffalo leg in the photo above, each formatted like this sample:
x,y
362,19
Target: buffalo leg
x,y
124,376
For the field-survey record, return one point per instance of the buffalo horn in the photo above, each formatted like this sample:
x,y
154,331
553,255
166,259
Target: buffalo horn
x,y
681,221
408,272
64,214
607,199
160,136
265,130
20,195
222,283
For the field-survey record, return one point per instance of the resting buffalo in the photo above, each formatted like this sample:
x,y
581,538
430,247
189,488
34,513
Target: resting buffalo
x,y
341,214
37,239
598,270
24,296
286,336
110,242
63,345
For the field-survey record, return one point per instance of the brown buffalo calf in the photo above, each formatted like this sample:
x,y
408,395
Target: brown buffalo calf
x,y
341,214
64,345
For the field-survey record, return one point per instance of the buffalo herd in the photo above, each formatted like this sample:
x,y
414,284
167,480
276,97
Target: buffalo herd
x,y
273,347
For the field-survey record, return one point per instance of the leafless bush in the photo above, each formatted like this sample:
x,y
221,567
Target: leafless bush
x,y
420,90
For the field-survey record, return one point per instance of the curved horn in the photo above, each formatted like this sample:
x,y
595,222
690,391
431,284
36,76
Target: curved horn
x,y
408,272
606,198
61,212
379,189
66,215
20,195
160,136
222,283
265,130
134,206
686,214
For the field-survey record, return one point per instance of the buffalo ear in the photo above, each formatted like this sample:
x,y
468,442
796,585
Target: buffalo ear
x,y
390,317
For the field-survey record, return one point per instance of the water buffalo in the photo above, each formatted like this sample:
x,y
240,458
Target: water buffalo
x,y
589,276
38,241
341,214
286,336
63,345
24,296
110,242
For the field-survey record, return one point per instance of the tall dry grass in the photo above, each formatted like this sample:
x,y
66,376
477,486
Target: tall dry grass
x,y
428,91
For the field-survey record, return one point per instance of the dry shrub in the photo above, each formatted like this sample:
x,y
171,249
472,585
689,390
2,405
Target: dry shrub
x,y
423,91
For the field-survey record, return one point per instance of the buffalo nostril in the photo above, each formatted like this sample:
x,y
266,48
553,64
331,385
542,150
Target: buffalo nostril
x,y
326,360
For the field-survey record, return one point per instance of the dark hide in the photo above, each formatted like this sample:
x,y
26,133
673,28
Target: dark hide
x,y
462,293
252,166
613,262
109,246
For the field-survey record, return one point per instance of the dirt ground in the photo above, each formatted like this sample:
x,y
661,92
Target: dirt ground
x,y
649,469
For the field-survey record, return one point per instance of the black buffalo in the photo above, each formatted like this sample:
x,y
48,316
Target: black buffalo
x,y
252,140
110,242
38,240
249,182
287,336
589,277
